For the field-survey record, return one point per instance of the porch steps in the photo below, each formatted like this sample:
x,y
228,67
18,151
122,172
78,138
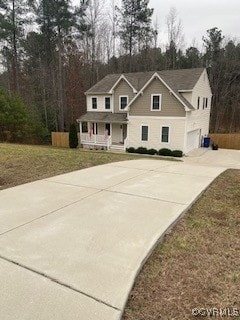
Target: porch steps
x,y
119,147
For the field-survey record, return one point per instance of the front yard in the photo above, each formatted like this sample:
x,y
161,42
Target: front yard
x,y
25,163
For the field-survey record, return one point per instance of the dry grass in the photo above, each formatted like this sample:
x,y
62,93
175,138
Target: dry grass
x,y
198,264
24,163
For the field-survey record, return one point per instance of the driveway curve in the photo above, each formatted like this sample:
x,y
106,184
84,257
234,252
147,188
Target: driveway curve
x,y
72,245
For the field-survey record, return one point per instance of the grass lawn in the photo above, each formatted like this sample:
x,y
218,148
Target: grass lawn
x,y
24,163
198,264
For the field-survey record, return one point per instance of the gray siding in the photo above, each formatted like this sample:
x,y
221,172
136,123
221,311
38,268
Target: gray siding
x,y
122,89
171,107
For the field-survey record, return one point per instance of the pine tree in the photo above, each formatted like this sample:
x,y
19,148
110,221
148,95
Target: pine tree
x,y
73,136
135,25
56,20
12,20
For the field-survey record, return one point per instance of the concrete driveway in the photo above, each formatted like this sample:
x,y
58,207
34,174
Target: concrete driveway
x,y
72,245
221,158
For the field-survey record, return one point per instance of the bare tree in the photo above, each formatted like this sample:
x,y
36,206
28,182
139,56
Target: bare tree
x,y
174,29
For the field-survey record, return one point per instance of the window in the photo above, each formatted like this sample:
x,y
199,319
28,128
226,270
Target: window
x,y
156,102
206,103
144,133
198,103
94,103
108,128
123,102
165,134
107,103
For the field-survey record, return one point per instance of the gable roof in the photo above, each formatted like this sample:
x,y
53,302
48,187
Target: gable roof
x,y
176,80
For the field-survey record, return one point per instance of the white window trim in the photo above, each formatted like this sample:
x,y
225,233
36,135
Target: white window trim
x,y
105,103
92,102
169,134
160,101
120,103
144,125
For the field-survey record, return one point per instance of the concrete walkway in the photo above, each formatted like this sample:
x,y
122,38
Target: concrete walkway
x,y
72,245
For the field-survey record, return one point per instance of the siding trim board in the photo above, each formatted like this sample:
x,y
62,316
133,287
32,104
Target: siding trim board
x,y
156,118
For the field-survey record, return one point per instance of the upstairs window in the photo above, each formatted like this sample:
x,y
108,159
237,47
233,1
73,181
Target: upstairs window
x,y
198,103
94,103
165,134
156,102
204,99
123,102
107,103
144,133
206,103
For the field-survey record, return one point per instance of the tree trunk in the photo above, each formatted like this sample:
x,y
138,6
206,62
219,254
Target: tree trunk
x,y
15,53
60,83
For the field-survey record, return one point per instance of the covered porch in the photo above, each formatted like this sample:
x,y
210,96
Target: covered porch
x,y
106,130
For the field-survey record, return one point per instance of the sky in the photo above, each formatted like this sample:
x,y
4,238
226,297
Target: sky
x,y
197,16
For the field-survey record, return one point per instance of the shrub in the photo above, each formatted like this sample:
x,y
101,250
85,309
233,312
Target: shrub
x,y
141,150
177,153
152,151
131,150
73,137
165,152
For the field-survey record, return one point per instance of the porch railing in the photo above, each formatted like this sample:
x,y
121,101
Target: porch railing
x,y
96,139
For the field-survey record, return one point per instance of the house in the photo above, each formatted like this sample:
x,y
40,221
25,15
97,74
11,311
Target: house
x,y
163,109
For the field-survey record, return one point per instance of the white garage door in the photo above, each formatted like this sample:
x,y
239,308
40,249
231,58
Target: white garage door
x,y
193,138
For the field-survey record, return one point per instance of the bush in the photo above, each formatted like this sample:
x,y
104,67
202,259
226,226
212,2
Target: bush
x,y
73,137
152,151
131,150
177,153
141,150
165,152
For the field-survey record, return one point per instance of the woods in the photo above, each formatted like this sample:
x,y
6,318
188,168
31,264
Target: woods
x,y
53,51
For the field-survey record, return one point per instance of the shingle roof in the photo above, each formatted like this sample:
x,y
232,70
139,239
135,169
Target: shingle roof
x,y
104,117
181,79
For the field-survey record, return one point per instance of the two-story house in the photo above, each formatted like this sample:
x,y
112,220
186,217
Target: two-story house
x,y
164,109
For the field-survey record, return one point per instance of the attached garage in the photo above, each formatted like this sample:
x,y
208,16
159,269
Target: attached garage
x,y
193,140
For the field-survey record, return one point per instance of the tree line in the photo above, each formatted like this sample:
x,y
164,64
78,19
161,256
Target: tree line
x,y
52,51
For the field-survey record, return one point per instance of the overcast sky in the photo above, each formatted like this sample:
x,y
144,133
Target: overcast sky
x,y
197,17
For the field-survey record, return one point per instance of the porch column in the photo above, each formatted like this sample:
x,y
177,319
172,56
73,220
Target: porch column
x,y
80,133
